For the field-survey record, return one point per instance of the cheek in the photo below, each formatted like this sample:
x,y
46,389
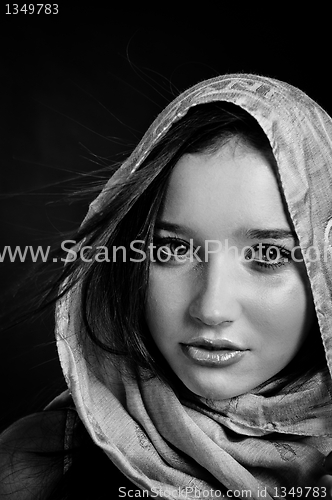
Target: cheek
x,y
169,296
166,303
286,314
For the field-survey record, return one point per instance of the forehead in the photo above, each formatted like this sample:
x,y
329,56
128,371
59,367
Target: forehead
x,y
235,185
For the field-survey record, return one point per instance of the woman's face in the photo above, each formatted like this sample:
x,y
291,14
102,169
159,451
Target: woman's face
x,y
228,308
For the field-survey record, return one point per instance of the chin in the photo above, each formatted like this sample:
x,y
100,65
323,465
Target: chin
x,y
209,391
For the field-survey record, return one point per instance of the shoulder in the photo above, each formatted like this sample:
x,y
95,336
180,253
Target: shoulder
x,y
50,450
27,450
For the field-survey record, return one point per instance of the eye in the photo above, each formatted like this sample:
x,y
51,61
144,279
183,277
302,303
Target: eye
x,y
267,255
171,250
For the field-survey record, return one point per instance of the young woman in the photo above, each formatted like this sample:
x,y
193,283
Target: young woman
x,y
194,313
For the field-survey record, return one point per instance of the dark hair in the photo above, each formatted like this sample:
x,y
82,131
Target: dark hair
x,y
113,293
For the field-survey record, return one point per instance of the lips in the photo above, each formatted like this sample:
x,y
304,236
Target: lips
x,y
213,353
214,345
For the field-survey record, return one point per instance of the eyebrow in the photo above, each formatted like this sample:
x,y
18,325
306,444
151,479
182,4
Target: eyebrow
x,y
273,234
169,226
251,234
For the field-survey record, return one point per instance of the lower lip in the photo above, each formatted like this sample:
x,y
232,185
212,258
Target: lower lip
x,y
206,357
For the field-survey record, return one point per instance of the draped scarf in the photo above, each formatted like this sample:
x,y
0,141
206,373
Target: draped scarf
x,y
255,445
188,447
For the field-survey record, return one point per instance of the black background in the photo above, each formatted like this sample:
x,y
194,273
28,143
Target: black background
x,y
79,90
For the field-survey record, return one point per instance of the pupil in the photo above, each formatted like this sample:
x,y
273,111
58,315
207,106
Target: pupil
x,y
180,250
272,254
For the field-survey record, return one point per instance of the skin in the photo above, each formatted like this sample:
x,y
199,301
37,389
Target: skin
x,y
267,311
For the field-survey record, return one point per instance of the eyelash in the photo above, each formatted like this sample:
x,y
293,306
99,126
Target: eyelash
x,y
160,242
285,256
284,253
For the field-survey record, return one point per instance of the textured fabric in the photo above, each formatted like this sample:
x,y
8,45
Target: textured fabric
x,y
251,442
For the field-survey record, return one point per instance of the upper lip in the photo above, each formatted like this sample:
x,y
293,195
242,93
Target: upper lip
x,y
214,344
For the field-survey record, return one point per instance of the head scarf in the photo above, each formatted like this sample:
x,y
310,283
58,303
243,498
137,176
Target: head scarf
x,y
258,445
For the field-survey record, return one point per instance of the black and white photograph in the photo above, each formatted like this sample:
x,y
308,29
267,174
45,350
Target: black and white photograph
x,y
165,251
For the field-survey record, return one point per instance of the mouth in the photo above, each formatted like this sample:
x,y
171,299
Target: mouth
x,y
213,353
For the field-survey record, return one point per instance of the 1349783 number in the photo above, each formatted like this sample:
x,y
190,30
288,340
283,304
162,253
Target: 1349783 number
x,y
299,492
32,8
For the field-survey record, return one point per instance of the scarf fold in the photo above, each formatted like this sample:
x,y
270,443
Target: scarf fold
x,y
180,447
196,448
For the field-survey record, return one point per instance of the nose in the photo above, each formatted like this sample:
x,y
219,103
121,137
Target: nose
x,y
217,299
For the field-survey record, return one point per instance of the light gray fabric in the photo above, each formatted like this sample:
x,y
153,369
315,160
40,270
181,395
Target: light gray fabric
x,y
252,441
